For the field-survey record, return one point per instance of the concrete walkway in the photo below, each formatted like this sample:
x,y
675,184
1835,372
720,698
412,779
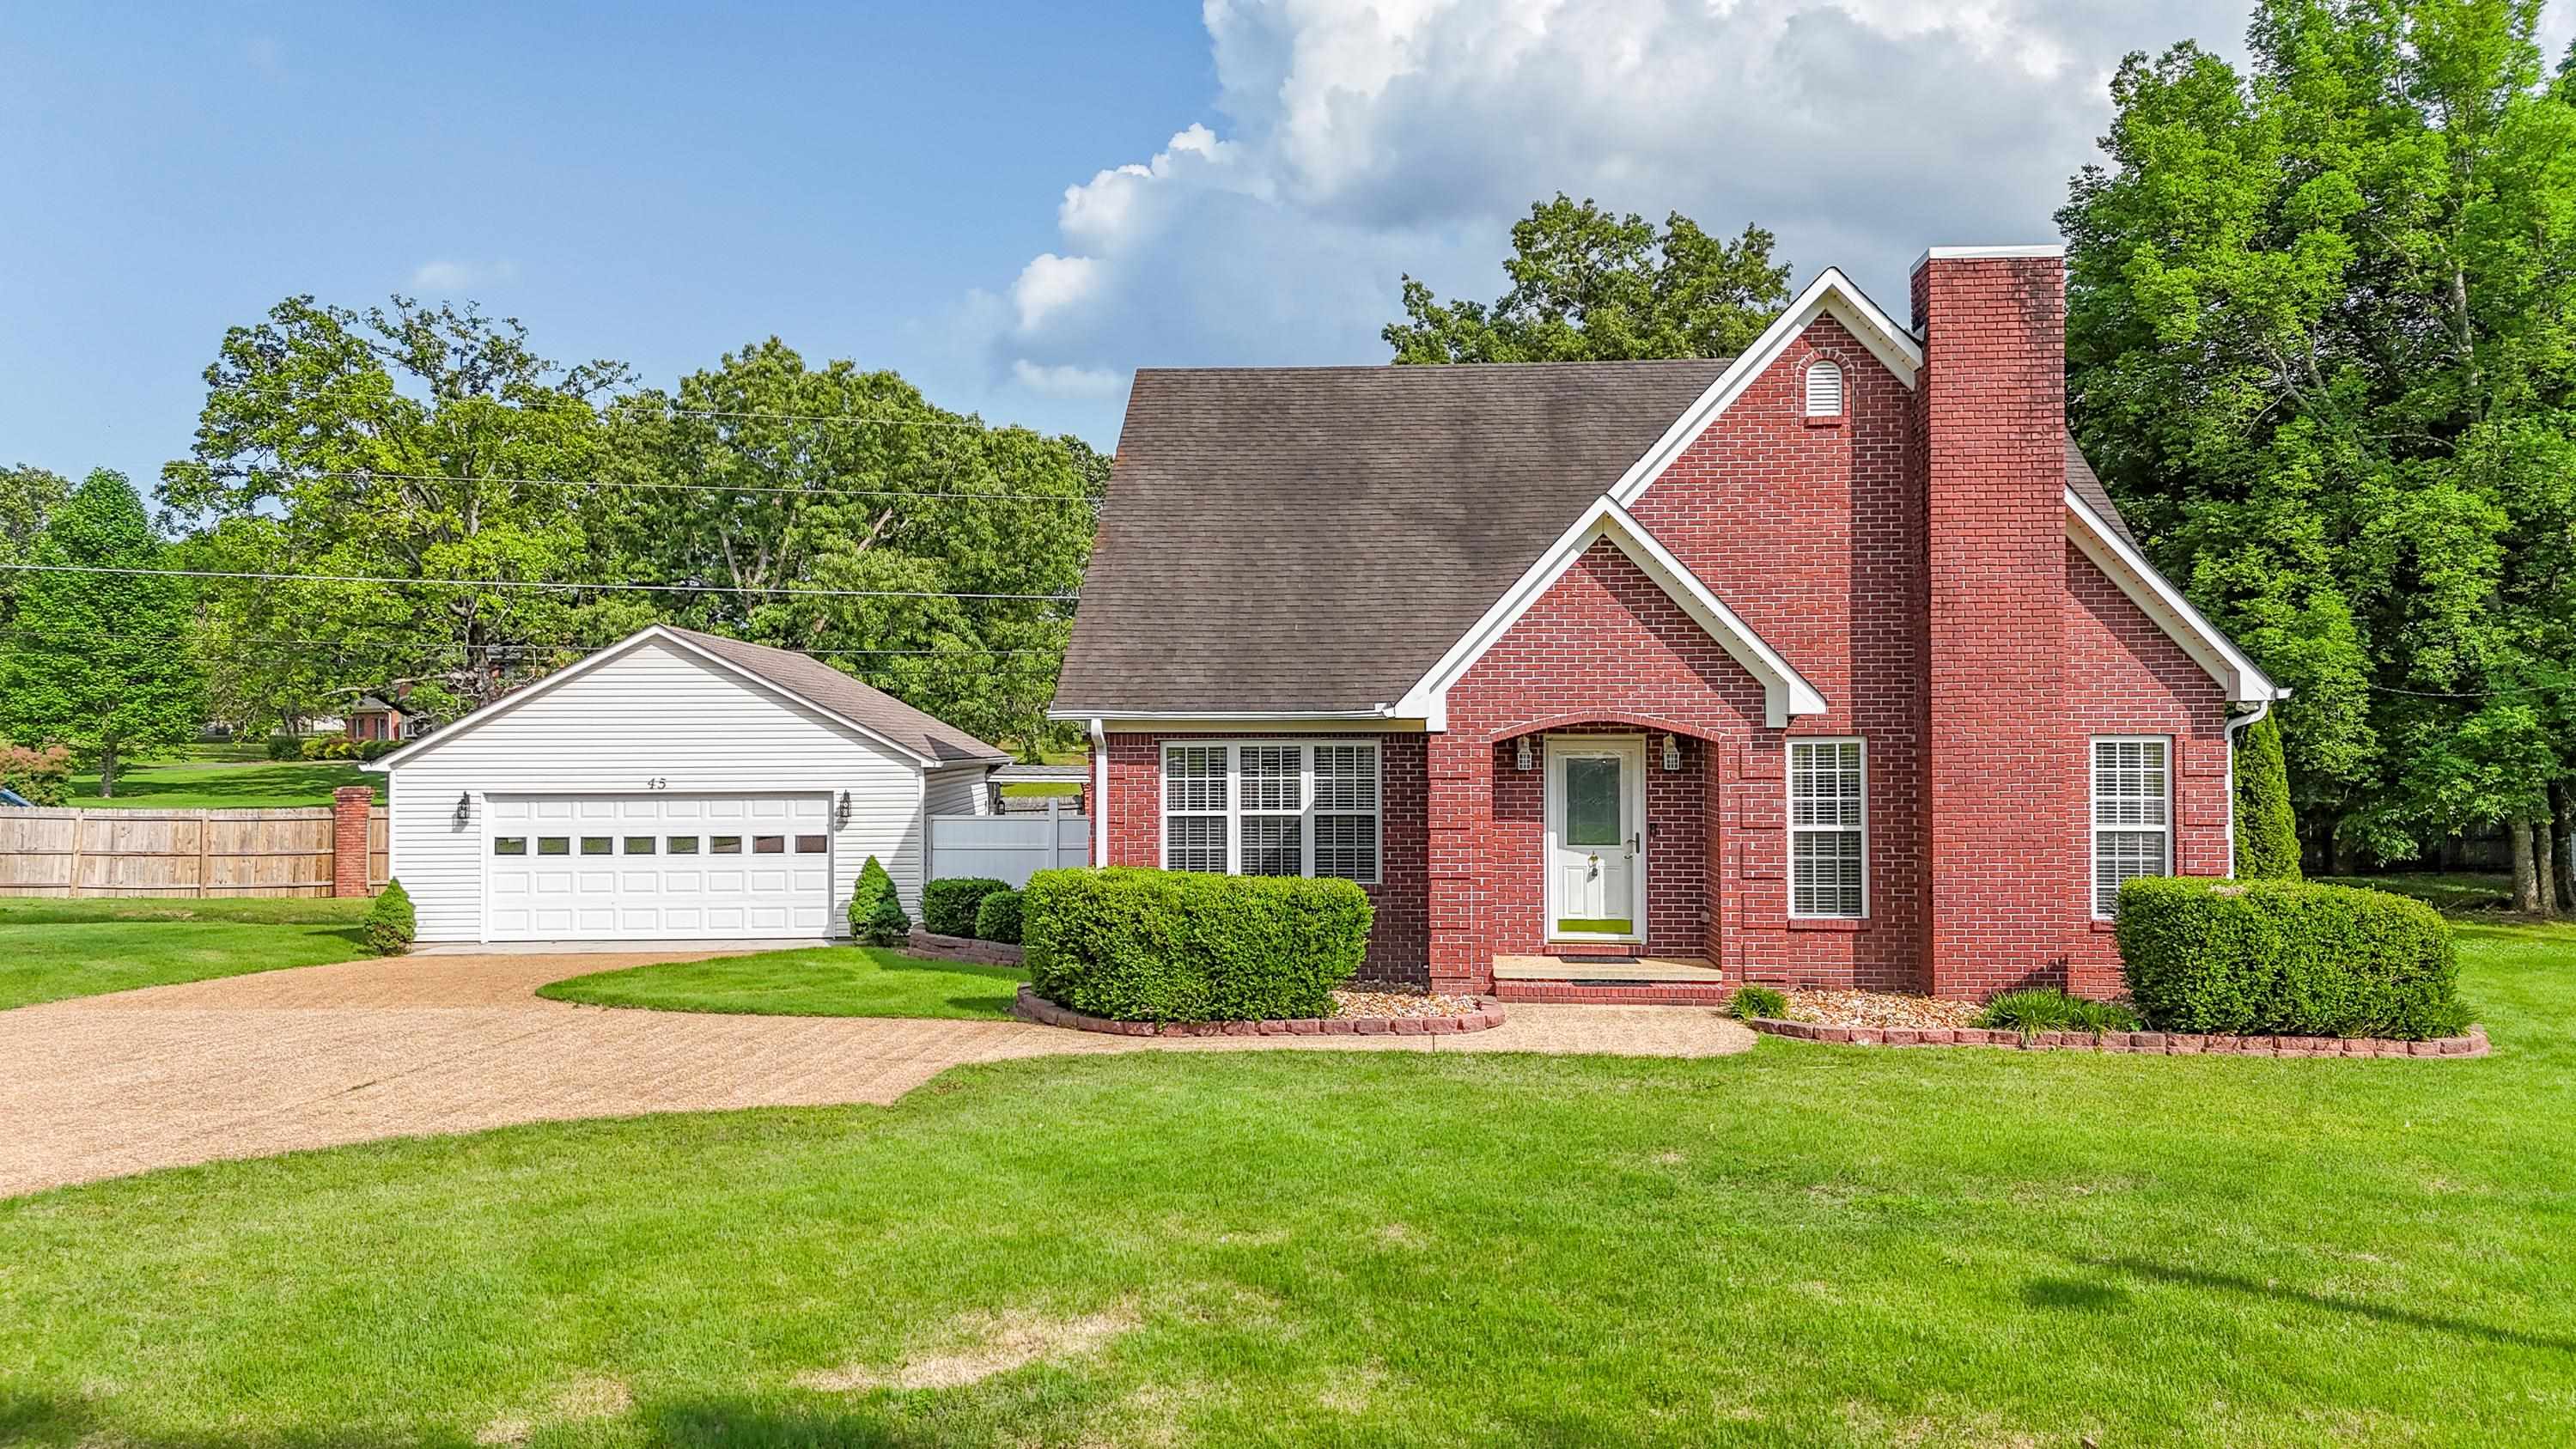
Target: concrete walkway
x,y
252,1065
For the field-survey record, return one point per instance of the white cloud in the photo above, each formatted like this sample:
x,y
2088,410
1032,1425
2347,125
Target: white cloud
x,y
1066,380
447,277
1357,140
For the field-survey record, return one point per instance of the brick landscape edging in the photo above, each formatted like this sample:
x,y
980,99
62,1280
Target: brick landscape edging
x,y
1032,1007
962,948
2140,1043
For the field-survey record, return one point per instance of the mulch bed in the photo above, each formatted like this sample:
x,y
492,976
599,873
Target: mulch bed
x,y
1488,1014
1878,1008
1392,1003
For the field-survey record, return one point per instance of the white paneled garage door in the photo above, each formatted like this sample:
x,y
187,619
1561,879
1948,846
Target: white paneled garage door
x,y
656,866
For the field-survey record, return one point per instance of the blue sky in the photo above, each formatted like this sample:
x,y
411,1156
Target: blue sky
x,y
1015,204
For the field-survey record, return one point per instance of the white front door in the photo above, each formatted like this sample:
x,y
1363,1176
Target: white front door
x,y
1596,837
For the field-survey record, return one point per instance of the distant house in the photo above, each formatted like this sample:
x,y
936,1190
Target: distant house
x,y
374,719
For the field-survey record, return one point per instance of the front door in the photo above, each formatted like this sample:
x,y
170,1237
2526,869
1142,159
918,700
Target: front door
x,y
1596,827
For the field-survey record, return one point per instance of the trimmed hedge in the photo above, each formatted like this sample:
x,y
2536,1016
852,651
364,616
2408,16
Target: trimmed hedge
x,y
2286,958
1164,945
285,747
948,906
391,924
997,918
876,912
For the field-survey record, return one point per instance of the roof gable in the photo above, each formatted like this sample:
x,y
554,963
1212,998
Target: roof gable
x,y
2118,557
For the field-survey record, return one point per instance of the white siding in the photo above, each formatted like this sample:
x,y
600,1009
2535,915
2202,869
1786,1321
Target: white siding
x,y
651,714
958,791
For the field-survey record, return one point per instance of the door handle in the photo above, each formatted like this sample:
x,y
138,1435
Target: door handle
x,y
1636,844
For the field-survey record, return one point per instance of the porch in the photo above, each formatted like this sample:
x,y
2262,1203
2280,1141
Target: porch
x,y
1641,980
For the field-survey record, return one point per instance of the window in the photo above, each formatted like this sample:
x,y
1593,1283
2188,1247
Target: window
x,y
810,844
1824,390
639,845
1828,828
554,845
2132,815
509,845
724,845
595,844
1272,808
682,845
769,845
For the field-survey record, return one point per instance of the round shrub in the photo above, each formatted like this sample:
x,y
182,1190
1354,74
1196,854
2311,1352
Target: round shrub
x,y
948,906
1162,945
876,913
997,918
2269,957
1750,1001
390,926
285,747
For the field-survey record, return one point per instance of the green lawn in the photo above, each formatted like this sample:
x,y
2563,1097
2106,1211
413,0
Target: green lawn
x,y
53,949
2458,891
1801,1245
816,981
224,777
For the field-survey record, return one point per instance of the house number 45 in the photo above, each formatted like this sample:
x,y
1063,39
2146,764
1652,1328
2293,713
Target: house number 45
x,y
658,782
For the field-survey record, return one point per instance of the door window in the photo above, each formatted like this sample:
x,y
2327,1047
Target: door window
x,y
1592,801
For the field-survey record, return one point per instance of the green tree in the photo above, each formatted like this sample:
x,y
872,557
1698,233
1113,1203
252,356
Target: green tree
x,y
408,443
805,480
1591,286
28,496
2267,830
101,661
2319,343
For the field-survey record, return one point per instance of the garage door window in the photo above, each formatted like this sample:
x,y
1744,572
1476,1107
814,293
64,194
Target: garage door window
x,y
724,845
684,845
640,844
769,845
510,845
554,845
595,844
809,845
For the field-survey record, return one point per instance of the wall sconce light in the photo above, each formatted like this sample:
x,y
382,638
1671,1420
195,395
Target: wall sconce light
x,y
464,809
1672,755
1522,758
841,811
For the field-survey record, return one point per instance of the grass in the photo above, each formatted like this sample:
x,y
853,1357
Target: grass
x,y
51,949
223,777
1799,1245
2459,891
814,981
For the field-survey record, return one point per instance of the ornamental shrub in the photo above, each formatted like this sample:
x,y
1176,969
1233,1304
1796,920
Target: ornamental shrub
x,y
2045,1008
285,747
1166,945
997,918
948,906
1750,1001
37,776
390,925
876,912
2267,830
2268,957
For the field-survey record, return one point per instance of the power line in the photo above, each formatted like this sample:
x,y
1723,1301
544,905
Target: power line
x,y
537,584
2477,694
345,645
832,491
874,418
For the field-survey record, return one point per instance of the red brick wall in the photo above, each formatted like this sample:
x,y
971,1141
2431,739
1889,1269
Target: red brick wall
x,y
2002,780
2126,676
1677,878
351,807
1399,948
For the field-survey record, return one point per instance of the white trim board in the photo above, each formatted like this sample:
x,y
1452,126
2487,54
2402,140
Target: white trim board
x,y
653,634
1831,293
1785,691
2156,596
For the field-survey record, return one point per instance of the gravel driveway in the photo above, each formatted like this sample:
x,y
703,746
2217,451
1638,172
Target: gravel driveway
x,y
252,1065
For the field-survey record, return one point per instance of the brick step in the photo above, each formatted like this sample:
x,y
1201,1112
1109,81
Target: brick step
x,y
1591,992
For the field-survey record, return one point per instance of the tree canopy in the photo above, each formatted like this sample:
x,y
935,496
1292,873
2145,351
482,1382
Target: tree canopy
x,y
2319,342
1591,286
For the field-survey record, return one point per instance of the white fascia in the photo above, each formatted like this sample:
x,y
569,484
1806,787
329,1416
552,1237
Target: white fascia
x,y
2156,596
1832,294
653,634
1990,253
1785,691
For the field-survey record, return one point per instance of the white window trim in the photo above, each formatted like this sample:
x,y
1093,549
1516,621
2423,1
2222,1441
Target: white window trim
x,y
1790,791
2093,816
1234,811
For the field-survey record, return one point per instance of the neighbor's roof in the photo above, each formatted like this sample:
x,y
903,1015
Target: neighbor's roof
x,y
1314,539
821,685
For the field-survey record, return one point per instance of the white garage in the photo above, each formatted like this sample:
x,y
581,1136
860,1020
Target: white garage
x,y
674,786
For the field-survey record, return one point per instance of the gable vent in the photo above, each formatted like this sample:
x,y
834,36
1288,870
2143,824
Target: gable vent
x,y
1825,390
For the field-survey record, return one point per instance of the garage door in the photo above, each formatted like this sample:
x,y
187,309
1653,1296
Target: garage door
x,y
656,866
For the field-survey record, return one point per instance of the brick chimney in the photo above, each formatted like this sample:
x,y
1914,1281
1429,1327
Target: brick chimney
x,y
2003,786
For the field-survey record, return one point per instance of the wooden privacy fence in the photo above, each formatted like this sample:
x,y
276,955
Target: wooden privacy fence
x,y
1008,848
176,853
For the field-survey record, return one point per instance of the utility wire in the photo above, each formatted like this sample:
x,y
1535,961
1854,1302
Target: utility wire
x,y
345,645
533,584
830,491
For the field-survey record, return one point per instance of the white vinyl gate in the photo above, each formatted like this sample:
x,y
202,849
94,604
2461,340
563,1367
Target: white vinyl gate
x,y
656,866
1008,848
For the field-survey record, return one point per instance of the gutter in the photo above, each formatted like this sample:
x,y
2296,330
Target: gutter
x,y
2235,726
1254,716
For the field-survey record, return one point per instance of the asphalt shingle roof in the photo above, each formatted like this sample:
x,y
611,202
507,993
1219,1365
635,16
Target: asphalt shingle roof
x,y
820,684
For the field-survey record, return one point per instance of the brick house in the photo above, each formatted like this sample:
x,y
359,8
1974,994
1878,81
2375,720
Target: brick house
x,y
1829,664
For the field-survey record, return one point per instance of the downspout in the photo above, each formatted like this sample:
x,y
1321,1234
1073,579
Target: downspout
x,y
2234,726
1099,792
